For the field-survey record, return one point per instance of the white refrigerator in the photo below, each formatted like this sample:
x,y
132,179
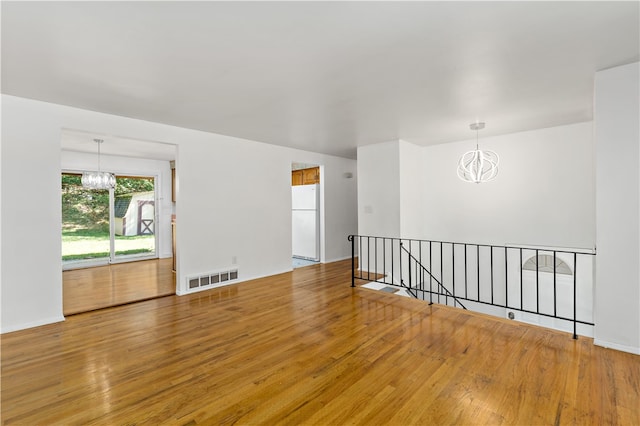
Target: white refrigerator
x,y
305,221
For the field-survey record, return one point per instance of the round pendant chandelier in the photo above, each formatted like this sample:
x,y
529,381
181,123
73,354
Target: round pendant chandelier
x,y
478,166
99,179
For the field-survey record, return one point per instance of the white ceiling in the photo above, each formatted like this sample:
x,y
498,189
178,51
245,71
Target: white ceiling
x,y
321,76
79,141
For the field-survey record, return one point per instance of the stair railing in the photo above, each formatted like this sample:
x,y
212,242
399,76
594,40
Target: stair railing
x,y
531,280
420,271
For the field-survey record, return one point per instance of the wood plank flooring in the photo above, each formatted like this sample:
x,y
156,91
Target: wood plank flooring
x,y
304,348
110,285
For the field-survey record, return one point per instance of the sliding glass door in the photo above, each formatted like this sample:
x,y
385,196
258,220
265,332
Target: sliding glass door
x,y
85,222
134,217
100,227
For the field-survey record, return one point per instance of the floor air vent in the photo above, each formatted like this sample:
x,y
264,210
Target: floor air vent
x,y
212,279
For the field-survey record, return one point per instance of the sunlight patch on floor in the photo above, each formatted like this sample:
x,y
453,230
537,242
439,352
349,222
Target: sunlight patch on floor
x,y
387,288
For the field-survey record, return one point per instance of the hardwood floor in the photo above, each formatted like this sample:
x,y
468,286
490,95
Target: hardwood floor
x,y
305,348
103,286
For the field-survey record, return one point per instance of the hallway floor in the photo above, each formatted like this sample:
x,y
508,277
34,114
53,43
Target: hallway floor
x,y
299,263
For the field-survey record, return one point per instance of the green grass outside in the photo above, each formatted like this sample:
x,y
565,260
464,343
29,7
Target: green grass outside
x,y
94,243
85,233
103,254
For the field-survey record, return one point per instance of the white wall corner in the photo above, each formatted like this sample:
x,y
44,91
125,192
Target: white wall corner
x,y
617,346
23,326
617,136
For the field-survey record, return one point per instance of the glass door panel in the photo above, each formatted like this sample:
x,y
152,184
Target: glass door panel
x,y
85,222
134,216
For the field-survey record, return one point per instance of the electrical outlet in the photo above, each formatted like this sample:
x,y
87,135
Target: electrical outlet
x,y
234,260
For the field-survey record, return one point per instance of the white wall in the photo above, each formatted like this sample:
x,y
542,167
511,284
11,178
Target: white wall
x,y
378,189
78,161
338,176
411,196
234,199
617,123
31,255
543,195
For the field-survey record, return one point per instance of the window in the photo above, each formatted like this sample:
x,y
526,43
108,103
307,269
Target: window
x,y
544,263
109,225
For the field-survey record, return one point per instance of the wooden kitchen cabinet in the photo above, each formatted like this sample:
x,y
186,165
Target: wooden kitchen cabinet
x,y
311,176
305,176
296,177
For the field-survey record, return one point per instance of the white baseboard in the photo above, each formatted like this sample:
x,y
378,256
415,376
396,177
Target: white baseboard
x,y
338,259
31,324
184,292
617,346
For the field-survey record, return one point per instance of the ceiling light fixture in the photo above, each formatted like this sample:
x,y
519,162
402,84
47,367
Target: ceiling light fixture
x,y
478,166
99,179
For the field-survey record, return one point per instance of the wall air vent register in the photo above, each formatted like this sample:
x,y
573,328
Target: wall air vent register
x,y
213,279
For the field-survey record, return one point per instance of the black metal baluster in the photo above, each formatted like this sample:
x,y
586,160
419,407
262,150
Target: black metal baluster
x,y
491,247
465,271
400,260
453,267
441,276
554,284
478,264
575,275
368,258
430,276
521,285
353,261
421,269
410,282
384,259
375,251
409,266
417,275
506,279
392,262
537,281
360,262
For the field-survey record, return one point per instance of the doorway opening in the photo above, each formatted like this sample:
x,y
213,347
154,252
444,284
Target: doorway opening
x,y
306,202
117,244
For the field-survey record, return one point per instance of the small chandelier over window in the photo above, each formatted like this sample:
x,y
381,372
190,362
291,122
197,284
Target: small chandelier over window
x,y
478,166
99,179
